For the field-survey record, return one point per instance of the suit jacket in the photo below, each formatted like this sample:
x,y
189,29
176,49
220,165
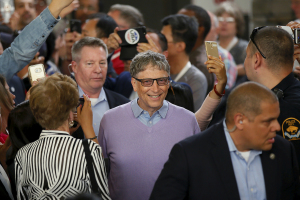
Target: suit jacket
x,y
114,99
200,167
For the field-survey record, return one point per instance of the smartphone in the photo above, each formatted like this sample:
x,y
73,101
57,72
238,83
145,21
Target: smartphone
x,y
80,102
211,49
130,38
36,72
297,35
75,25
7,8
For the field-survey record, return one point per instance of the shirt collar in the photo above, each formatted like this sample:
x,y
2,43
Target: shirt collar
x,y
102,95
231,145
286,82
47,133
137,110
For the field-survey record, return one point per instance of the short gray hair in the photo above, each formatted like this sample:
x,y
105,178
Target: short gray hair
x,y
130,14
141,60
86,42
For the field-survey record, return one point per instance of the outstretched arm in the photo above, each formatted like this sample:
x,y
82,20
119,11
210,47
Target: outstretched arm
x,y
25,46
204,114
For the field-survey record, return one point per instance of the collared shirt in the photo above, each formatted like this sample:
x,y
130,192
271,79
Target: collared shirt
x,y
249,175
144,116
25,46
99,108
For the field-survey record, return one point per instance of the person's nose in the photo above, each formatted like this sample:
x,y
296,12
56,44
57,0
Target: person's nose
x,y
155,86
98,69
277,126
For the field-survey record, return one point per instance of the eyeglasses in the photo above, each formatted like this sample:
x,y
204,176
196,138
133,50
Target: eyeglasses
x,y
148,82
226,19
252,39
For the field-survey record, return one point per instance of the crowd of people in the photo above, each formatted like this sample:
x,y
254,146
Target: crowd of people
x,y
170,122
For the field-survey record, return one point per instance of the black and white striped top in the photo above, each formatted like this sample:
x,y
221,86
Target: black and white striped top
x,y
54,167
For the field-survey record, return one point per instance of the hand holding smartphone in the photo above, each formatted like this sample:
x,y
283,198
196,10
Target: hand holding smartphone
x,y
36,72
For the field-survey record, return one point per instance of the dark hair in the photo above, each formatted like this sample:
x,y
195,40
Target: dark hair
x,y
181,95
22,127
277,45
105,26
184,29
202,17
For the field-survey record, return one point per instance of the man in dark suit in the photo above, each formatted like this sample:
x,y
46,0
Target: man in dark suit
x,y
89,64
241,158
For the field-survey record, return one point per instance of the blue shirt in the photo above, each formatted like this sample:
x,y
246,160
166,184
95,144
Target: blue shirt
x,y
144,116
25,46
249,175
99,108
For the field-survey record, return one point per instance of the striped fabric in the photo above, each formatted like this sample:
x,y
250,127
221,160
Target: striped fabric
x,y
54,167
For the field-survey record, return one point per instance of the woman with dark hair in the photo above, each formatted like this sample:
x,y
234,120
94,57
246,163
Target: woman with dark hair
x,y
23,129
231,28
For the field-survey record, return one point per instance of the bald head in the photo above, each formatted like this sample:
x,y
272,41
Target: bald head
x,y
247,99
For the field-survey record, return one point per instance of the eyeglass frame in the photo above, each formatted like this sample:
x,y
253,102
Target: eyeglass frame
x,y
153,79
255,30
225,19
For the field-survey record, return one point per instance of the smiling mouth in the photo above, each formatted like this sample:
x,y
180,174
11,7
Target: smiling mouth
x,y
154,96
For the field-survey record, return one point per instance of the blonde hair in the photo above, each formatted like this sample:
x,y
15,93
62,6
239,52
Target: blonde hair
x,y
52,99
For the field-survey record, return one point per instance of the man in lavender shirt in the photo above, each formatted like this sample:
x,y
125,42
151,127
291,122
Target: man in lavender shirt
x,y
138,136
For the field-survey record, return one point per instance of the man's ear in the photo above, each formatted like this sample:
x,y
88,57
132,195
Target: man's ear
x,y
133,83
257,60
239,121
165,53
180,46
74,66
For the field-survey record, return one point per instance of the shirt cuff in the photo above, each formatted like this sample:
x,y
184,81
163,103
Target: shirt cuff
x,y
48,18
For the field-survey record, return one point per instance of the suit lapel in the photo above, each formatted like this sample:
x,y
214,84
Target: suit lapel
x,y
223,162
270,173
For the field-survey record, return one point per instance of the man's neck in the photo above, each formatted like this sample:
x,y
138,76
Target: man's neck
x,y
177,63
225,41
92,94
270,80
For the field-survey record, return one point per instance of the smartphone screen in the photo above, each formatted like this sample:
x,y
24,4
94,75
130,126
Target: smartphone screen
x,y
7,8
36,72
211,49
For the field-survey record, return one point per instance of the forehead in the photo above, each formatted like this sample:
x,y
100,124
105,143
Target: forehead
x,y
167,31
268,110
92,53
88,2
90,23
152,72
24,1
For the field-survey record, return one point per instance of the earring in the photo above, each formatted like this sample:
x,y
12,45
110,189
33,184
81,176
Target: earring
x,y
71,123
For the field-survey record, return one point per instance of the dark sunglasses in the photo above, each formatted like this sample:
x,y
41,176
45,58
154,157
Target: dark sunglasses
x,y
252,39
148,82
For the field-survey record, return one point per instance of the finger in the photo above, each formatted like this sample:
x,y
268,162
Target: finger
x,y
117,38
79,110
87,101
151,42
